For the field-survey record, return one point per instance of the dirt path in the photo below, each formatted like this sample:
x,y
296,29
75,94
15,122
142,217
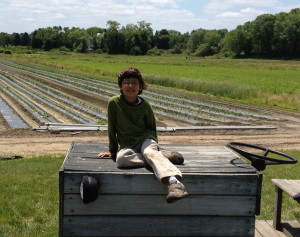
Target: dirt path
x,y
286,136
28,142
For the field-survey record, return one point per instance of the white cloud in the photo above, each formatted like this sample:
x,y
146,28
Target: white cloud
x,y
154,2
244,13
221,5
29,19
182,15
230,19
252,11
229,15
73,13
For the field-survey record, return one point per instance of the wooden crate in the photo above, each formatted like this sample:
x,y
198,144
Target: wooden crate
x,y
224,196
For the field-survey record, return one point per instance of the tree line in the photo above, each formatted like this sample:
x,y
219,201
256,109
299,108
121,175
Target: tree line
x,y
268,36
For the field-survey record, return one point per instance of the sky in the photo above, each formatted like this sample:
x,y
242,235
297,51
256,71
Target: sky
x,y
181,15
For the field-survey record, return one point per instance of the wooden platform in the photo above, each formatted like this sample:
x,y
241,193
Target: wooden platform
x,y
264,228
292,189
224,196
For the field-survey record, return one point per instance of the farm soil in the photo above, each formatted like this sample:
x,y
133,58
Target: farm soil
x,y
28,143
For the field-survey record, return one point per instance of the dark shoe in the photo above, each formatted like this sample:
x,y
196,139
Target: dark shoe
x,y
176,192
175,157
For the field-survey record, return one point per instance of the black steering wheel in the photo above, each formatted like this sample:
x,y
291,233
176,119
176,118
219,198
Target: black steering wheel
x,y
260,161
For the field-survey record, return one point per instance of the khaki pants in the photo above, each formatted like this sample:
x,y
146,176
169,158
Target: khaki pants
x,y
148,153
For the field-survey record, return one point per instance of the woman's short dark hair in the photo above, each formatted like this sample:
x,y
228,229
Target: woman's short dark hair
x,y
132,73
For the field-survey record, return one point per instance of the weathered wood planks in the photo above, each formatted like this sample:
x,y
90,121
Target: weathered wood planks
x,y
158,226
291,188
224,194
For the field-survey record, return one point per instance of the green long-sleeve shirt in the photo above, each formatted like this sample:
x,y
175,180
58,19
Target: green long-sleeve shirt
x,y
128,124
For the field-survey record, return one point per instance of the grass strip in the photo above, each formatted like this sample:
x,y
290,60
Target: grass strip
x,y
29,195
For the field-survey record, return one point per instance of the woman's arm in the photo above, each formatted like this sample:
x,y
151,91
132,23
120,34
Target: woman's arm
x,y
112,133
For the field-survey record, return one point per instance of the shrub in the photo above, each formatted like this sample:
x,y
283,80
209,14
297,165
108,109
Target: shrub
x,y
64,49
154,51
136,50
176,50
99,51
229,54
203,50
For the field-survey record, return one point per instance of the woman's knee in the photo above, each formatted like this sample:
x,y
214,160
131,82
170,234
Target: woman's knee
x,y
122,157
149,146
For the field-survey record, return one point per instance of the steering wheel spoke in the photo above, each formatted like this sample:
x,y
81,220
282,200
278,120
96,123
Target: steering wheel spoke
x,y
260,161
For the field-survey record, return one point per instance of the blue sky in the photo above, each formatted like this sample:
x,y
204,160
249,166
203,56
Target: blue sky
x,y
181,15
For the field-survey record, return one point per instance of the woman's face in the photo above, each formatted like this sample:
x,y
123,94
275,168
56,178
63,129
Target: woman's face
x,y
130,87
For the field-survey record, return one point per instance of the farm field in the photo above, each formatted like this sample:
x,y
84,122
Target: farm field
x,y
272,83
55,88
49,95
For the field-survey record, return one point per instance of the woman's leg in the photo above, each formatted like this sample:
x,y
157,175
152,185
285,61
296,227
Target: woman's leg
x,y
164,170
161,165
129,158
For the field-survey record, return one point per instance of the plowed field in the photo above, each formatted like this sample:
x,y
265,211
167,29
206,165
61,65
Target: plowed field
x,y
39,95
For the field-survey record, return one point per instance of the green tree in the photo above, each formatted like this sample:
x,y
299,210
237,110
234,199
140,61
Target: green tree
x,y
79,39
286,41
25,39
212,39
5,39
16,39
35,43
50,38
262,33
178,41
196,38
95,33
238,41
132,39
138,38
59,38
66,39
267,36
145,36
162,39
204,50
47,37
205,42
115,41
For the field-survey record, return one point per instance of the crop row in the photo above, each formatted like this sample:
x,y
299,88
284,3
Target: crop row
x,y
151,95
174,107
38,114
57,95
107,91
40,95
12,119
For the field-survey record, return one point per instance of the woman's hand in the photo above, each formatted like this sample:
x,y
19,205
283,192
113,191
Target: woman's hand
x,y
105,154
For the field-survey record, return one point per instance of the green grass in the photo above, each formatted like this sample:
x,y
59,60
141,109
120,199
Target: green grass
x,y
29,195
290,208
273,83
